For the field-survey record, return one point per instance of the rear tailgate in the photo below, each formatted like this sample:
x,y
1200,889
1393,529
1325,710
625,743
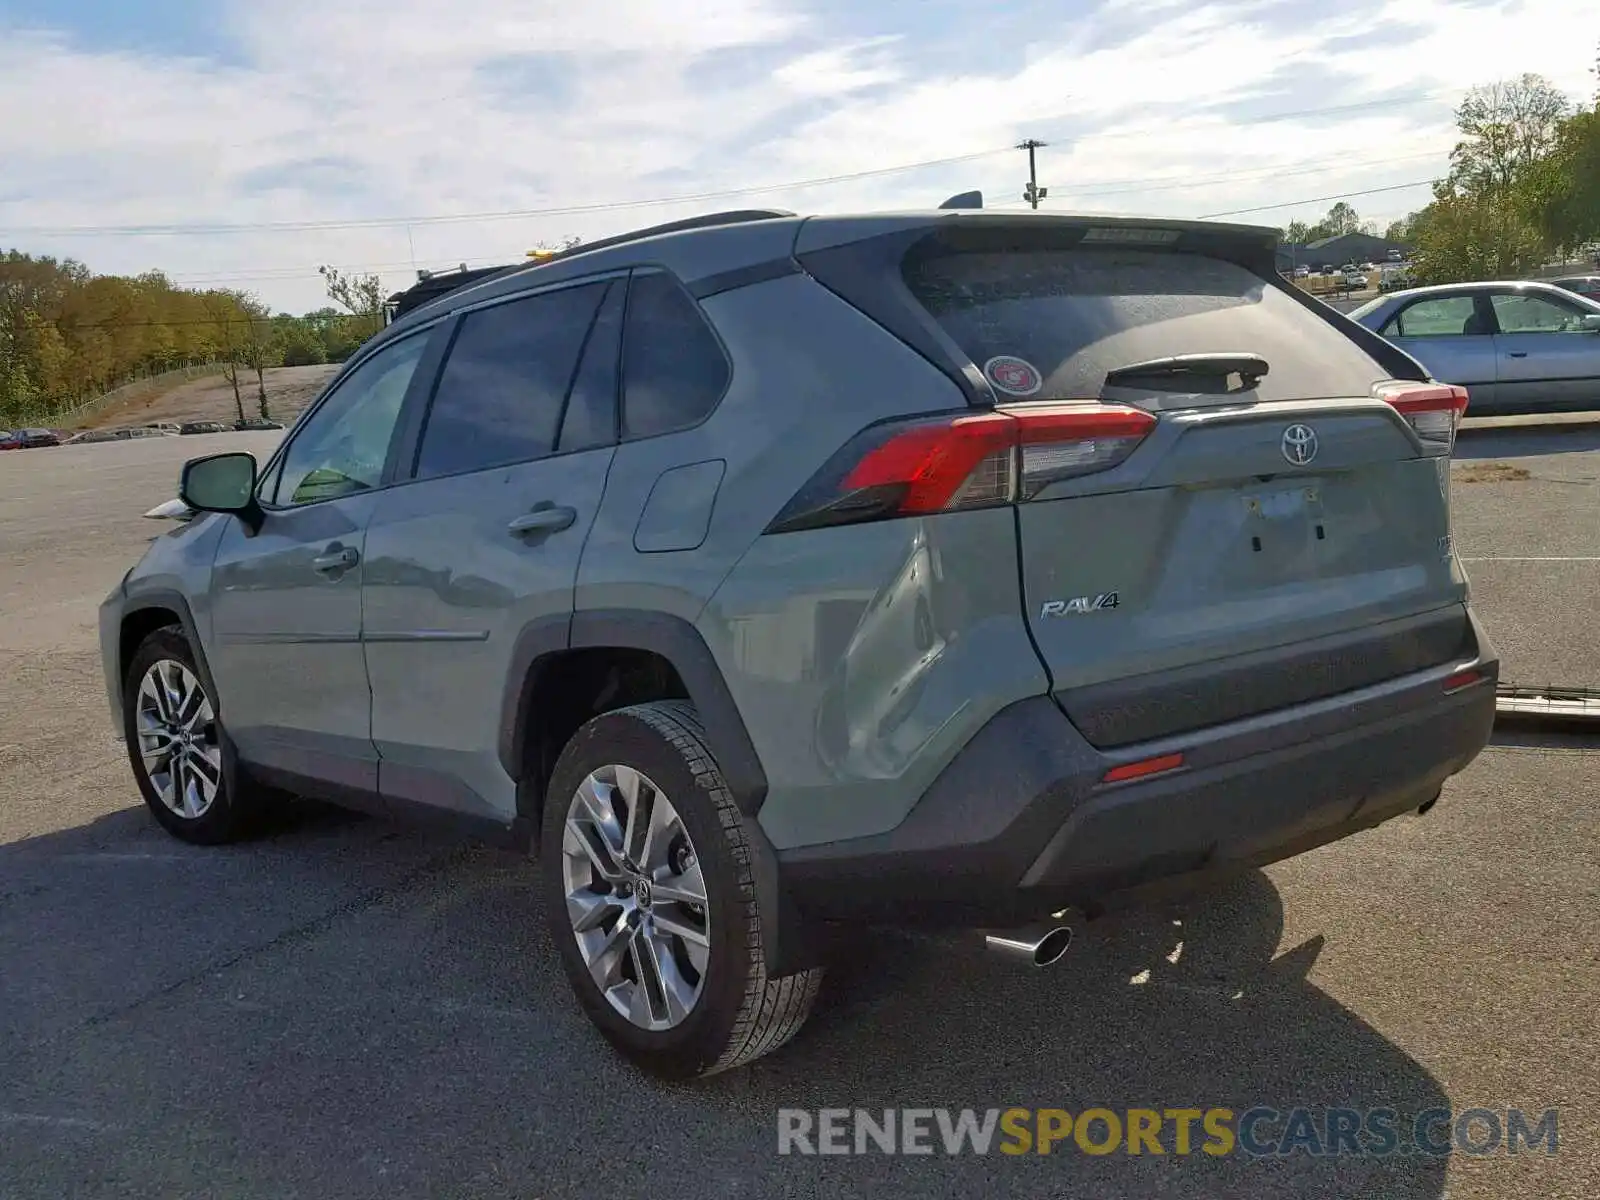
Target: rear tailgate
x,y
1260,540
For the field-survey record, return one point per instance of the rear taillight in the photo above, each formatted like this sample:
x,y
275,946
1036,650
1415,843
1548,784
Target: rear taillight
x,y
1433,410
976,460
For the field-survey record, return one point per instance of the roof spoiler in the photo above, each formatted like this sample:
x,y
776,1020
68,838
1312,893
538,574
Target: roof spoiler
x,y
964,200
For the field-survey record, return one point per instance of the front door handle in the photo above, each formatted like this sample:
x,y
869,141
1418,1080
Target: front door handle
x,y
543,520
332,560
1516,354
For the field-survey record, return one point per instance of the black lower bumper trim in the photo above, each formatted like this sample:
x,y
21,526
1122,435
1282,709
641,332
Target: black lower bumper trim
x,y
1020,825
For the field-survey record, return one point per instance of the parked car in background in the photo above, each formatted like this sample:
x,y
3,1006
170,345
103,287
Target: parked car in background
x,y
1515,347
1583,285
29,439
193,427
1302,272
257,423
1393,276
89,436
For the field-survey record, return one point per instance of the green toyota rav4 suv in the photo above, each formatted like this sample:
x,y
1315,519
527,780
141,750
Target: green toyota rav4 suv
x,y
758,571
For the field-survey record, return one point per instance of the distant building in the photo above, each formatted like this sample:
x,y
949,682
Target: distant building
x,y
1355,248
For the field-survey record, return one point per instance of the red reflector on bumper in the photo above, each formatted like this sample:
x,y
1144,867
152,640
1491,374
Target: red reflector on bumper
x,y
1146,766
1462,679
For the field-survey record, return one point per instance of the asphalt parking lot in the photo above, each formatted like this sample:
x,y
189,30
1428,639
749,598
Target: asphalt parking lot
x,y
351,1009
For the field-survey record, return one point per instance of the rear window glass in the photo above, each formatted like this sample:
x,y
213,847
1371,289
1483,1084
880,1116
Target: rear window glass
x,y
1076,315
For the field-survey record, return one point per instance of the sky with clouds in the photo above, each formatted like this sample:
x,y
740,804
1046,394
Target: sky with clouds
x,y
241,144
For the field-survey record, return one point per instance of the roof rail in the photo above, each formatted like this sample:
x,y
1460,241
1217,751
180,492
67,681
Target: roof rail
x,y
704,221
426,290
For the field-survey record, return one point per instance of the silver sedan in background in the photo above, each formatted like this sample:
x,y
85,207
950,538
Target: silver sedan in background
x,y
1515,347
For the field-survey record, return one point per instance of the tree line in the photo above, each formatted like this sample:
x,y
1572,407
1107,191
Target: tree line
x,y
1523,189
68,335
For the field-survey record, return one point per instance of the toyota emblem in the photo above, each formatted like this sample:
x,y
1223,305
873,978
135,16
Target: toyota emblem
x,y
1299,445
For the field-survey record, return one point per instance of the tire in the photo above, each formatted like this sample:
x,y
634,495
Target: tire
x,y
220,805
736,1013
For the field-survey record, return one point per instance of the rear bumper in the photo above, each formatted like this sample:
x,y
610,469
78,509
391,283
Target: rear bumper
x,y
1020,824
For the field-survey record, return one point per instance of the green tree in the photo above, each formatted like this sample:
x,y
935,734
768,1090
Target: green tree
x,y
259,346
1467,236
362,296
301,344
228,324
1401,230
1340,219
1298,233
1562,193
1506,128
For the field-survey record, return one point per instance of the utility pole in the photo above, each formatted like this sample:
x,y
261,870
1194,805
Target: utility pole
x,y
1033,193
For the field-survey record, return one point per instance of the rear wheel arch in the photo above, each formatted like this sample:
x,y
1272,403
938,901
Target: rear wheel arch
x,y
567,670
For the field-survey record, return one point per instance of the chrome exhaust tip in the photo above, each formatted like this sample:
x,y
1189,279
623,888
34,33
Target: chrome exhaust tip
x,y
1040,945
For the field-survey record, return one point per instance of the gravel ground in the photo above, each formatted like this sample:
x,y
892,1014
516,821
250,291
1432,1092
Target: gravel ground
x,y
289,389
350,1009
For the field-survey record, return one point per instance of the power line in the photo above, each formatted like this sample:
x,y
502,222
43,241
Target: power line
x,y
496,215
1155,183
174,230
1207,217
1396,187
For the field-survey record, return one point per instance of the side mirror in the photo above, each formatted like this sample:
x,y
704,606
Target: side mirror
x,y
224,483
1591,322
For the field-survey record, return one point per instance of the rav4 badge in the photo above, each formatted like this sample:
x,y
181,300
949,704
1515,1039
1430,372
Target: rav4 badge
x,y
1079,604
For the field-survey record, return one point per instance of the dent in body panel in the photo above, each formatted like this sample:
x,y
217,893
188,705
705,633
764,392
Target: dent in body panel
x,y
809,372
864,657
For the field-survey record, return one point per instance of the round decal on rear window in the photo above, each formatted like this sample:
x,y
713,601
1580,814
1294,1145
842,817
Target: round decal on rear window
x,y
1012,375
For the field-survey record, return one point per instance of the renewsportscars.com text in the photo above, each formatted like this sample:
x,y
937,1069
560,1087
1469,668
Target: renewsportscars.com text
x,y
1257,1132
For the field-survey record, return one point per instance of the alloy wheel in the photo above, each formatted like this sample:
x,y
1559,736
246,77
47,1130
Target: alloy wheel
x,y
636,897
178,746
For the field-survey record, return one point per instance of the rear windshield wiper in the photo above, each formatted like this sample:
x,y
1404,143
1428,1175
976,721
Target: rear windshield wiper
x,y
1188,367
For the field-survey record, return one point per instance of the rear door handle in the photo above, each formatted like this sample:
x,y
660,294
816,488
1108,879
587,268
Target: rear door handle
x,y
333,560
1516,354
543,520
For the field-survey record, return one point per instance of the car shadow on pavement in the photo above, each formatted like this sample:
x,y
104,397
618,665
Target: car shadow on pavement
x,y
352,1009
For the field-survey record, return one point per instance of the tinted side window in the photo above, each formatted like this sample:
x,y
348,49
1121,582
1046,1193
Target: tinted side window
x,y
504,382
591,417
343,444
673,368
